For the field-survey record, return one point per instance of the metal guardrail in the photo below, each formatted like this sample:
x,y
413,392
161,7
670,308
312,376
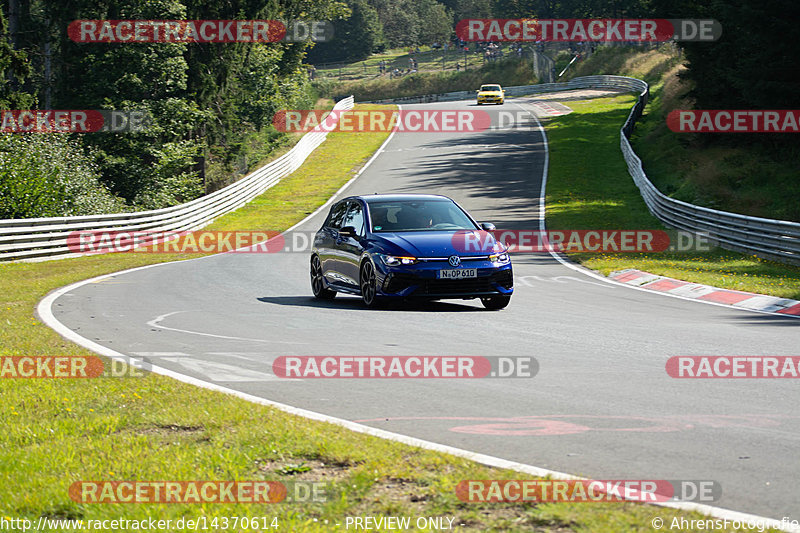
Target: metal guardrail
x,y
585,82
778,240
32,238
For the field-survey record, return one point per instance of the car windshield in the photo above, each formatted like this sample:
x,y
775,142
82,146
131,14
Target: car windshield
x,y
490,88
417,215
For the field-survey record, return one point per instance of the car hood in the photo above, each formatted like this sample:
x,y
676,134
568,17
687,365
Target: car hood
x,y
439,243
489,93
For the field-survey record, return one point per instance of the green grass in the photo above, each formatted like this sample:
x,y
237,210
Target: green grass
x,y
427,61
646,63
506,72
56,432
730,172
589,188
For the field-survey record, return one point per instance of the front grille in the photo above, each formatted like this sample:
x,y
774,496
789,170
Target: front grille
x,y
456,286
429,286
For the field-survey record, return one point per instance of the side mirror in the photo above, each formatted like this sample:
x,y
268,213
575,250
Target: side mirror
x,y
488,226
347,231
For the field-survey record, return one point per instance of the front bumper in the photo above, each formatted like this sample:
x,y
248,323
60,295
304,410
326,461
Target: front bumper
x,y
420,281
490,99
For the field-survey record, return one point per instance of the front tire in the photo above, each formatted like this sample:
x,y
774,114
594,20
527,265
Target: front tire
x,y
317,282
368,282
493,303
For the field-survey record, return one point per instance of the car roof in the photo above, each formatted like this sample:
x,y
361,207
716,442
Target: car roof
x,y
369,198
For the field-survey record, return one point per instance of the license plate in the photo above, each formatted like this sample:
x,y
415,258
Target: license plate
x,y
460,273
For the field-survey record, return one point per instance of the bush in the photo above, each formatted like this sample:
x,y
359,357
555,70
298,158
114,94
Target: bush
x,y
50,175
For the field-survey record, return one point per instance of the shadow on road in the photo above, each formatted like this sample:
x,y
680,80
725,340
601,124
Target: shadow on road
x,y
766,320
355,304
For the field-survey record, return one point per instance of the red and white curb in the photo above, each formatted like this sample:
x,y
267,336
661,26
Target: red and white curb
x,y
739,299
551,109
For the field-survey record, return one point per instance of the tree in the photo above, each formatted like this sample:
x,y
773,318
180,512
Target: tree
x,y
753,65
14,67
435,22
354,37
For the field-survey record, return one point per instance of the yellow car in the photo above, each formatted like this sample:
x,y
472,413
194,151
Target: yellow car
x,y
491,94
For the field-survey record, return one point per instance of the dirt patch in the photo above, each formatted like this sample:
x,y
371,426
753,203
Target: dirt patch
x,y
305,470
412,499
168,429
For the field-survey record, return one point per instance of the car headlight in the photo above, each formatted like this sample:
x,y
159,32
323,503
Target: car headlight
x,y
501,258
396,260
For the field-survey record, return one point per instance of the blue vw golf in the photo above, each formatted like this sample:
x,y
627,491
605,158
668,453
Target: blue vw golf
x,y
408,246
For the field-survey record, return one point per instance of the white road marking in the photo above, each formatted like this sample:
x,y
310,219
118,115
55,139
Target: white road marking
x,y
155,324
162,354
223,372
239,355
557,279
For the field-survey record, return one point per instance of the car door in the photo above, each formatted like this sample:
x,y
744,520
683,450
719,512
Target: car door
x,y
325,242
350,246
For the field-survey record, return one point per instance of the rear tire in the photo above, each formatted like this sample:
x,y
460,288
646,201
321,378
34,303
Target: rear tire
x,y
317,282
493,303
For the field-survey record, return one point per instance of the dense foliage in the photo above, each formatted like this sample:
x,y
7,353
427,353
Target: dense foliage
x,y
212,104
43,176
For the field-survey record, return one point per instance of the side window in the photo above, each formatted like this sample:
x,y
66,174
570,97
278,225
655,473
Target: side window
x,y
355,218
336,217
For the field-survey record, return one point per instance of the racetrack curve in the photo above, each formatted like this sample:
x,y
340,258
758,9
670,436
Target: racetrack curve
x,y
602,404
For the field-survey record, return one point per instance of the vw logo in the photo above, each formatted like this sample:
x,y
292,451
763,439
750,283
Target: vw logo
x,y
454,260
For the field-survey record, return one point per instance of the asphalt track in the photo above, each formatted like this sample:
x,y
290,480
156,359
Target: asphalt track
x,y
602,404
